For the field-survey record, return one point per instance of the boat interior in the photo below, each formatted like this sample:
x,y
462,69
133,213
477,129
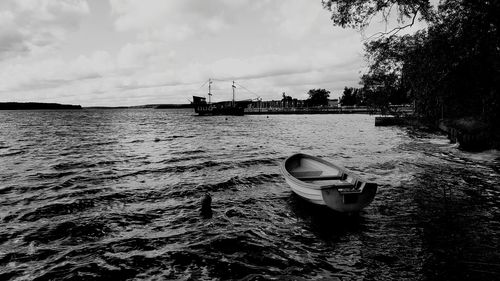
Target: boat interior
x,y
307,169
312,171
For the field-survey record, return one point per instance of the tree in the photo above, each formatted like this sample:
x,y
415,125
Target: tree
x,y
352,96
453,69
382,84
287,100
318,97
358,14
450,69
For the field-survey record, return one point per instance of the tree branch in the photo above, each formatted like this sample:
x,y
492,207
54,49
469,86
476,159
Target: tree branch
x,y
395,30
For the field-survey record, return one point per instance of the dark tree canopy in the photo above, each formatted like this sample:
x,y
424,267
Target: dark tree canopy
x,y
451,69
353,96
318,97
287,100
359,13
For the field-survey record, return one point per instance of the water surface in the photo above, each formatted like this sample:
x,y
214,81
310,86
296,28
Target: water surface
x,y
115,195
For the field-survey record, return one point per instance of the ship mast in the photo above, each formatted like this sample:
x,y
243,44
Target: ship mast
x,y
209,91
233,92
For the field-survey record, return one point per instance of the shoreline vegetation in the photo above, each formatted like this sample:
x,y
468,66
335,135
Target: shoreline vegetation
x,y
58,106
449,70
153,106
35,106
471,133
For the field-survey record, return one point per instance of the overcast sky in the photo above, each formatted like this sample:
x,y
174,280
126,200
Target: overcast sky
x,y
132,52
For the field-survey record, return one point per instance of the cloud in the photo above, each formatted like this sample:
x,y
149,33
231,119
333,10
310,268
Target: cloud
x,y
146,54
298,18
175,20
54,72
30,25
11,39
168,48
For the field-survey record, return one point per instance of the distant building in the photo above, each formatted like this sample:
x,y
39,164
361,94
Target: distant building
x,y
333,103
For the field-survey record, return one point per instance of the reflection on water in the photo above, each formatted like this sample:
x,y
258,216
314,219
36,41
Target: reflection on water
x,y
116,194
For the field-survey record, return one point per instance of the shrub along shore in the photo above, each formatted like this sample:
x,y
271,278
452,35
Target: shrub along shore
x,y
471,133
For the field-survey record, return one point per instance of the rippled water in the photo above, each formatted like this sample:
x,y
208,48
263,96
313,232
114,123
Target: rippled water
x,y
115,195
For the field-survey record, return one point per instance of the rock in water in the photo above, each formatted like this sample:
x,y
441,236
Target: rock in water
x,y
206,206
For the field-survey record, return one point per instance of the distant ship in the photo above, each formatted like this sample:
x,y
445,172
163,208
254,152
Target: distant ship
x,y
202,107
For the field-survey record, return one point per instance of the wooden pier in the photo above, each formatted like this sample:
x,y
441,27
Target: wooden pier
x,y
320,110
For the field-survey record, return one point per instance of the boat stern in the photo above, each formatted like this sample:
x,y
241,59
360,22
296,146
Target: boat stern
x,y
349,200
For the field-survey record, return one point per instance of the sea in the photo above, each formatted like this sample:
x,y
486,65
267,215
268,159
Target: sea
x,y
115,194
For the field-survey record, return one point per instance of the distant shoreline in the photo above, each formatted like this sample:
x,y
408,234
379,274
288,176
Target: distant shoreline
x,y
36,106
51,106
153,106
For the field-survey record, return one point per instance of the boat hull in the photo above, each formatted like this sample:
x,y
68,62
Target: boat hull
x,y
237,108
324,183
349,202
206,110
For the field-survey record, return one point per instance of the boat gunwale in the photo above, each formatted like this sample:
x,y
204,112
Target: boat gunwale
x,y
342,170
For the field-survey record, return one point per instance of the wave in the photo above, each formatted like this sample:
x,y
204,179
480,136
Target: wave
x,y
51,175
58,209
71,149
83,165
12,153
100,200
234,182
195,167
71,231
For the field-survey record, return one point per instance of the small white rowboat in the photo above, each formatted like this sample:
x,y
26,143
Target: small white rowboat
x,y
324,183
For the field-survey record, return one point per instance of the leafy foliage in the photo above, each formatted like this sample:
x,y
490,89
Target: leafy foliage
x,y
358,13
288,101
318,97
382,84
353,96
286,98
451,69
